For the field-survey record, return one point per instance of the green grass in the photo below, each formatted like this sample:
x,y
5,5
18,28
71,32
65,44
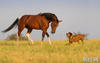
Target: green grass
x,y
58,52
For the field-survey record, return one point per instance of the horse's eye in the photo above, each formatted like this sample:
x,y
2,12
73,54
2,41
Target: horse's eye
x,y
54,24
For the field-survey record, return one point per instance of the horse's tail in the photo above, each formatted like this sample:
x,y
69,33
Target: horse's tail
x,y
11,26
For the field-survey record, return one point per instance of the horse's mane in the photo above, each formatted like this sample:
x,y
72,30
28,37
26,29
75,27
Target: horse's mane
x,y
49,16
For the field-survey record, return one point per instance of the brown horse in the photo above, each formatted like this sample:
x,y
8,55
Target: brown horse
x,y
75,38
39,22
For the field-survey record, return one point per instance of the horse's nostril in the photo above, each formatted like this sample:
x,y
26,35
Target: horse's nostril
x,y
52,32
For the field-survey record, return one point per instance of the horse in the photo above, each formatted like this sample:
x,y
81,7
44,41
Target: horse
x,y
40,21
75,38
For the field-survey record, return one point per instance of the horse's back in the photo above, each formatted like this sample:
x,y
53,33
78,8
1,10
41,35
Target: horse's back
x,y
33,21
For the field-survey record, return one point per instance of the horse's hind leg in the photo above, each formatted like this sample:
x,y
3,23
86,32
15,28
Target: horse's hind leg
x,y
43,35
48,38
17,37
28,35
19,33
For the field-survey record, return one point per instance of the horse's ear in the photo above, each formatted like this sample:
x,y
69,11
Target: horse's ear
x,y
60,20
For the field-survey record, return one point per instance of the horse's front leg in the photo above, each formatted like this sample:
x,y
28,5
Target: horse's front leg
x,y
43,35
48,38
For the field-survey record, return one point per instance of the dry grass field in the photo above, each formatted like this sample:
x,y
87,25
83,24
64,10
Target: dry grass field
x,y
58,52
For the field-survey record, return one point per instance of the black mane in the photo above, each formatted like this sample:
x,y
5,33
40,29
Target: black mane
x,y
49,16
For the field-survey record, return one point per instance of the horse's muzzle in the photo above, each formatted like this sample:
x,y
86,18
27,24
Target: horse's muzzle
x,y
52,32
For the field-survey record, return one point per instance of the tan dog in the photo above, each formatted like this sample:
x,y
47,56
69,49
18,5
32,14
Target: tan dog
x,y
75,38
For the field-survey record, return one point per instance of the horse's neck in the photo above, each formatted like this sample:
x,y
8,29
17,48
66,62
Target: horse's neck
x,y
49,21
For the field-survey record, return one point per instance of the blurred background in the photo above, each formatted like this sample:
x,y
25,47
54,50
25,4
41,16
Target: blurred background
x,y
77,15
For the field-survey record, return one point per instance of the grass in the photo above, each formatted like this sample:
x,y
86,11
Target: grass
x,y
58,52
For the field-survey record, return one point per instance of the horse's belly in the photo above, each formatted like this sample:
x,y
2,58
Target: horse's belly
x,y
33,26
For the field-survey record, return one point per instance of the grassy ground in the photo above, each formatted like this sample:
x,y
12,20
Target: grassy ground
x,y
58,52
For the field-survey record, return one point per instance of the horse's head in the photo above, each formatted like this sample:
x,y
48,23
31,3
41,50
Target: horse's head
x,y
54,25
52,18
